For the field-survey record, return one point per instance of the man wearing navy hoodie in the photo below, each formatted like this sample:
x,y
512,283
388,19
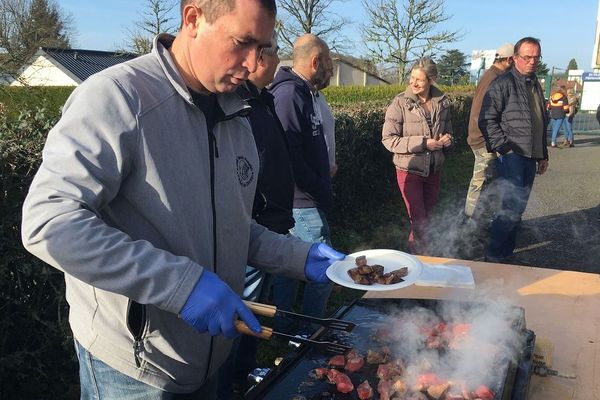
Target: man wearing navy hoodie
x,y
295,90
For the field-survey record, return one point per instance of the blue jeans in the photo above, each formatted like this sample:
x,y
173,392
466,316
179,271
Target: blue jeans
x,y
556,124
311,226
102,382
515,179
569,129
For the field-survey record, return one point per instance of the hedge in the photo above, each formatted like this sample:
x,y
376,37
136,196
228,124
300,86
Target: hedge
x,y
15,100
36,356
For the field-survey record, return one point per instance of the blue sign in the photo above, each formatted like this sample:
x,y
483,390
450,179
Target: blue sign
x,y
590,76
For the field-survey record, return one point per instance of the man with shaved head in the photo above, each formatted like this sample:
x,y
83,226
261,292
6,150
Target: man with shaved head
x,y
295,90
144,201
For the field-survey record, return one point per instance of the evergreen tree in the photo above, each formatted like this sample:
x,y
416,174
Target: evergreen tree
x,y
452,68
572,64
27,25
542,69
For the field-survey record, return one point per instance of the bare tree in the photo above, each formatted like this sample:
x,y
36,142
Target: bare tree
x,y
298,17
156,18
399,31
27,25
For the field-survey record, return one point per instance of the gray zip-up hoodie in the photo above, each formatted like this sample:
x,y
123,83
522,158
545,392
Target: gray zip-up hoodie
x,y
134,198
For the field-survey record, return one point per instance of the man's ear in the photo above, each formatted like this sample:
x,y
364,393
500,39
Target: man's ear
x,y
192,18
314,63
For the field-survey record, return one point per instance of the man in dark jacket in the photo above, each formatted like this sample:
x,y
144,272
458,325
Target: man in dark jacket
x,y
295,90
513,121
272,203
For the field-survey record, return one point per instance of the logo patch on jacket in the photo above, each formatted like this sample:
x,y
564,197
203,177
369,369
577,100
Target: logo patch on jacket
x,y
315,123
245,172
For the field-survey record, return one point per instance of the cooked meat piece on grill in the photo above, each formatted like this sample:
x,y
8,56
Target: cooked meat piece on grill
x,y
378,357
390,370
354,361
365,391
414,396
342,382
399,385
437,391
456,396
337,361
384,388
426,380
484,393
318,373
361,261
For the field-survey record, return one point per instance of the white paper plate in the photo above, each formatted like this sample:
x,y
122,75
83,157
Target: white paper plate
x,y
390,259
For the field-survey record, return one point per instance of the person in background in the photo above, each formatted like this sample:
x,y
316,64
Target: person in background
x,y
327,119
418,132
144,201
272,204
598,114
513,122
484,166
573,102
295,92
558,107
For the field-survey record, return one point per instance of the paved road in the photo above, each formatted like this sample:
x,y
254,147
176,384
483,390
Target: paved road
x,y
561,225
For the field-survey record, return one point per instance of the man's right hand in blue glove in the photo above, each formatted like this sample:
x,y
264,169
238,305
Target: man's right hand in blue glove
x,y
213,306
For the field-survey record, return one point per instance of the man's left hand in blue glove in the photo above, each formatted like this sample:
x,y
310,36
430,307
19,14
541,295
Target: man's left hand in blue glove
x,y
320,257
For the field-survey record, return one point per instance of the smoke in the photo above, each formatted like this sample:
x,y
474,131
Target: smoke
x,y
491,341
450,233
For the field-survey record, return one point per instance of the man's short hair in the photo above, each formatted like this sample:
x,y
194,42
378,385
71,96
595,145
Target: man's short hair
x,y
213,9
527,39
274,44
307,46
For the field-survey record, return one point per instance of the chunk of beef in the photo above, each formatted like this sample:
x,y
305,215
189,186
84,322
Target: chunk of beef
x,y
365,391
342,382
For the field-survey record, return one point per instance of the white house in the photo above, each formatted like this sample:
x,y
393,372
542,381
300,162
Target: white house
x,y
66,67
348,74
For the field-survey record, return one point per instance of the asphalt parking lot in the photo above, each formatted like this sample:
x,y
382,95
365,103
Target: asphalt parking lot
x,y
561,225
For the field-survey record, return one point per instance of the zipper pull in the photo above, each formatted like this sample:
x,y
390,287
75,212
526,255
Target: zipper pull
x,y
138,347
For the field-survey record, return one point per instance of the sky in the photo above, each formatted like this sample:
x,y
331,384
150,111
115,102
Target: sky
x,y
566,27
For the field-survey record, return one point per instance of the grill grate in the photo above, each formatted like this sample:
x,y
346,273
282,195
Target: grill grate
x,y
291,379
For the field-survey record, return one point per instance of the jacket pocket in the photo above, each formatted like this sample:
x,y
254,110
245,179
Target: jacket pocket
x,y
136,323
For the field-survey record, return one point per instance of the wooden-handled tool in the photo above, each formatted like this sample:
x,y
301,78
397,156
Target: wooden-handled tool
x,y
267,333
267,310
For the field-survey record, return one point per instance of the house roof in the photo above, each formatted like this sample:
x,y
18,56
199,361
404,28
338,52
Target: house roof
x,y
83,63
350,63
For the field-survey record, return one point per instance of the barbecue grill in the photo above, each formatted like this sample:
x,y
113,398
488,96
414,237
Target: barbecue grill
x,y
293,378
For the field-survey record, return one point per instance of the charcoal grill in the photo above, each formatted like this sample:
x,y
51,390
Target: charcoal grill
x,y
291,379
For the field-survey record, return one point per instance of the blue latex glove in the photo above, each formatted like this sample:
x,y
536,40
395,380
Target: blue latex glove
x,y
320,257
212,306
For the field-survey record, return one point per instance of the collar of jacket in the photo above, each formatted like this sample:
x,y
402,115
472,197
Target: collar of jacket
x,y
231,104
523,78
437,96
286,74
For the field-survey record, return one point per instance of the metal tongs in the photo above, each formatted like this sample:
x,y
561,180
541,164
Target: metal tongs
x,y
267,310
267,333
